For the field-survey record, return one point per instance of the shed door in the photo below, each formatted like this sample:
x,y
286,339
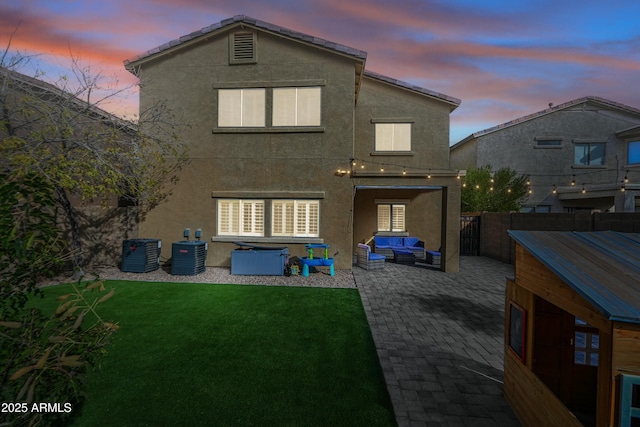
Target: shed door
x,y
552,350
565,358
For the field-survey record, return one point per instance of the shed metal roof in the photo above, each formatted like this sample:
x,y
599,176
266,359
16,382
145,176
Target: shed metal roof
x,y
602,266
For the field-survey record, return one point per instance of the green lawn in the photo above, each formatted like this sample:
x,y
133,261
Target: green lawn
x,y
202,354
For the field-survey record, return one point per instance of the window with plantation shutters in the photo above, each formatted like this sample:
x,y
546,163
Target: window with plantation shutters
x,y
241,107
295,218
384,217
240,217
391,217
242,48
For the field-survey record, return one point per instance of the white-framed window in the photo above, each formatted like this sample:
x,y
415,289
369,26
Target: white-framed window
x,y
241,107
391,217
296,106
393,137
238,217
295,218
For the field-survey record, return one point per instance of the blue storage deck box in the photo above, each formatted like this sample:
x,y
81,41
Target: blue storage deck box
x,y
258,260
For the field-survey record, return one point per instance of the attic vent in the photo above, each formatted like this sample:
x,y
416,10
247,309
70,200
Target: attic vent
x,y
243,48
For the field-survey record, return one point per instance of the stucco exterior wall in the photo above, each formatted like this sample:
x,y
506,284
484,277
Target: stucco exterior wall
x,y
429,132
516,147
303,163
264,163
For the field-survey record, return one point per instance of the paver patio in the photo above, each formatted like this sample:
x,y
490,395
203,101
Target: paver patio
x,y
439,338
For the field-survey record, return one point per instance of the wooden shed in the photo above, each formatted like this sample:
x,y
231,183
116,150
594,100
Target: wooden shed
x,y
572,335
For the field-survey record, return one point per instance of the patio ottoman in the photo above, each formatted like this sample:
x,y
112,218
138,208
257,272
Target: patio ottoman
x,y
433,257
404,256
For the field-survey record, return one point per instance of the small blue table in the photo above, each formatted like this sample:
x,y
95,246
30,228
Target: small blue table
x,y
315,262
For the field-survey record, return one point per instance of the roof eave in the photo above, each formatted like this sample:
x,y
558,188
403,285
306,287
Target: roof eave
x,y
451,101
244,21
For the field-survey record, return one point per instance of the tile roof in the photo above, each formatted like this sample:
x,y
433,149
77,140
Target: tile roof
x,y
456,102
25,83
602,266
552,109
243,19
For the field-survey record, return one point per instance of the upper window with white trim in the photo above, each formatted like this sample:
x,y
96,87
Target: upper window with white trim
x,y
241,107
296,106
393,137
240,217
295,218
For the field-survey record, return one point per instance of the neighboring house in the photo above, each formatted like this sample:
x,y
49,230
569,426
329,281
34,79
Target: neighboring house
x,y
580,155
293,142
572,335
30,107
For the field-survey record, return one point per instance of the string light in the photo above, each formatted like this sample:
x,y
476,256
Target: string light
x,y
388,169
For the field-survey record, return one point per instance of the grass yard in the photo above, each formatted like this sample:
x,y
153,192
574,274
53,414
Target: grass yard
x,y
202,354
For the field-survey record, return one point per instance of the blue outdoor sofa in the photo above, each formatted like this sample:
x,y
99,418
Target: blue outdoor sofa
x,y
384,245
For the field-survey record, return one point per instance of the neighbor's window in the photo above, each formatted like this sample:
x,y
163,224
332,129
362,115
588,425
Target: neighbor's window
x,y
587,344
391,218
240,217
296,106
393,137
589,154
241,108
633,154
548,143
295,218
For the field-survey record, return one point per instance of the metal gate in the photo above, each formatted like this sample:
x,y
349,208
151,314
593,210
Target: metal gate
x,y
469,234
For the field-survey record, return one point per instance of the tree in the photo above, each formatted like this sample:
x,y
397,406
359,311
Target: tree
x,y
59,132
484,190
42,359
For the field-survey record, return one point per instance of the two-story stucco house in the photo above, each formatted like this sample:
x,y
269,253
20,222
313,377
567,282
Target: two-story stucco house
x,y
580,155
293,142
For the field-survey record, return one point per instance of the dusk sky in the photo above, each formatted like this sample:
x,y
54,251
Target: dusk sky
x,y
503,59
